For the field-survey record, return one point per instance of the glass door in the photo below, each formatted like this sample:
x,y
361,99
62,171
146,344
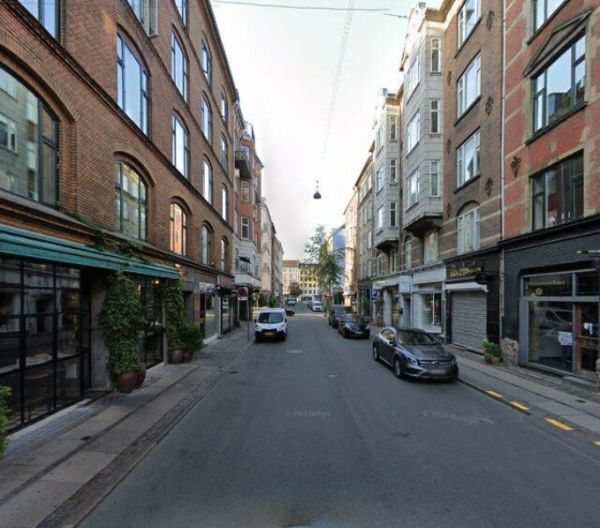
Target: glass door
x,y
551,334
586,344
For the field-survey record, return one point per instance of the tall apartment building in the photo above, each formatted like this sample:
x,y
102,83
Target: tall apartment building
x,y
291,274
247,185
552,183
364,189
266,249
336,244
351,251
308,281
277,268
116,130
472,50
421,285
387,178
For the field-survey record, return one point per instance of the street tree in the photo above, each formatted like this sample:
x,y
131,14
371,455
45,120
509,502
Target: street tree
x,y
295,290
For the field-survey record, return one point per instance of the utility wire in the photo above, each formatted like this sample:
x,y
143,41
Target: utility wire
x,y
302,8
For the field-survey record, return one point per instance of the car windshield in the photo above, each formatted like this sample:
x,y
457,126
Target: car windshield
x,y
411,337
338,310
355,319
270,317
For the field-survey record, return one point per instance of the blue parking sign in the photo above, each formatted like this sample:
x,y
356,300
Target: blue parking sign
x,y
374,295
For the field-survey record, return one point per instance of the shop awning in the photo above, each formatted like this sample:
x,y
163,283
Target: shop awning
x,y
24,244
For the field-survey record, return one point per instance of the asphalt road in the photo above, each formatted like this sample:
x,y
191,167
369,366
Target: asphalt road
x,y
312,432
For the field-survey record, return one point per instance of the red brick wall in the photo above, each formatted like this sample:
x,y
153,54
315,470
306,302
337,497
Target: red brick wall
x,y
77,79
580,131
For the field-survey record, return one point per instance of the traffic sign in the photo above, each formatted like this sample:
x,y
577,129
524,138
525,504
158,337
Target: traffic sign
x,y
243,294
374,295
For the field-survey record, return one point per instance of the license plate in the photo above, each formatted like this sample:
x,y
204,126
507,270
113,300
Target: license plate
x,y
269,333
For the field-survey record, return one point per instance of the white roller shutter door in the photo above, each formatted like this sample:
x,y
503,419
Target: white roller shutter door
x,y
469,318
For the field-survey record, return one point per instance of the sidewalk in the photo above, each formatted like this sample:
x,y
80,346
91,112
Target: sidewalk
x,y
552,398
58,470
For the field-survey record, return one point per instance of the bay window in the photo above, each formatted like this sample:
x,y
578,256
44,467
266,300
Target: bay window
x,y
557,194
414,187
413,132
436,56
560,87
468,231
413,76
379,178
380,217
469,86
468,159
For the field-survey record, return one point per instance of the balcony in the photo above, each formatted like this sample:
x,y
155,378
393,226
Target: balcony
x,y
423,222
387,239
243,163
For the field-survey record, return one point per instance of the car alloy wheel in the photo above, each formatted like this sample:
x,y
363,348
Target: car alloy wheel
x,y
375,353
398,372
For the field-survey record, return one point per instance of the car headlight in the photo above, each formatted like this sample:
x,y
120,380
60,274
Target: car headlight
x,y
413,361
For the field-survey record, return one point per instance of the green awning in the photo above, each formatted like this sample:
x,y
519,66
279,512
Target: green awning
x,y
25,244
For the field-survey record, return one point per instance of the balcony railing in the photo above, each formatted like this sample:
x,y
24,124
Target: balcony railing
x,y
243,163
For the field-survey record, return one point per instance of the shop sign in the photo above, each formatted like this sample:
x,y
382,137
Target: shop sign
x,y
225,282
465,271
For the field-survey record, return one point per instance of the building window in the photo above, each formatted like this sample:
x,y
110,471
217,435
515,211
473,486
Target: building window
x,y
436,57
245,228
379,265
413,76
224,255
28,143
380,138
393,212
369,240
246,192
408,254
225,203
206,246
179,66
131,194
182,7
47,12
430,247
393,129
380,212
414,187
133,85
467,18
468,160
435,116
560,87
178,230
393,261
468,232
413,132
181,150
435,175
207,181
543,10
469,86
206,62
557,194
224,153
207,123
393,172
224,108
236,220
147,13
380,178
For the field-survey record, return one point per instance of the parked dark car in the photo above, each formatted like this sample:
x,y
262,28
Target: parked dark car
x,y
354,326
414,353
336,312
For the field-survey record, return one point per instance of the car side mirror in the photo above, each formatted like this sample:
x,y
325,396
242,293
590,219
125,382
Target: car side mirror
x,y
255,320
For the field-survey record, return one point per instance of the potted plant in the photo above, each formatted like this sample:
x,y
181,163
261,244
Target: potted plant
x,y
193,341
492,353
4,393
121,321
175,319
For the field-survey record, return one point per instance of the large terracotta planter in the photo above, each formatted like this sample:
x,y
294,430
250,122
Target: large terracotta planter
x,y
176,356
141,377
496,360
187,356
126,382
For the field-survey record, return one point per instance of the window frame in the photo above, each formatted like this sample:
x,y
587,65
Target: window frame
x,y
431,247
412,142
208,181
461,231
225,203
207,119
393,128
435,191
224,109
207,69
144,124
183,10
393,170
462,87
408,253
41,15
206,247
413,198
437,49
380,179
249,236
460,159
437,113
186,147
461,23
380,224
142,202
393,214
176,45
184,227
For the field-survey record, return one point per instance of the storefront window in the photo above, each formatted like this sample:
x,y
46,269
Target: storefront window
x,y
551,334
432,312
549,286
208,319
151,346
44,338
588,284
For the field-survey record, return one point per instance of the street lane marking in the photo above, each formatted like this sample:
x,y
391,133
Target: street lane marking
x,y
558,424
597,442
494,394
519,406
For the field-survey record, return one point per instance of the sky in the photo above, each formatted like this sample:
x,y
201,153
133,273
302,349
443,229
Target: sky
x,y
284,63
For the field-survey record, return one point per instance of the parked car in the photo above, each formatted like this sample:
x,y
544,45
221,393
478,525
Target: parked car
x,y
415,353
316,306
271,323
292,301
352,325
336,312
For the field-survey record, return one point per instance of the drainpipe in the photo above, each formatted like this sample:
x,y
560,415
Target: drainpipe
x,y
502,167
